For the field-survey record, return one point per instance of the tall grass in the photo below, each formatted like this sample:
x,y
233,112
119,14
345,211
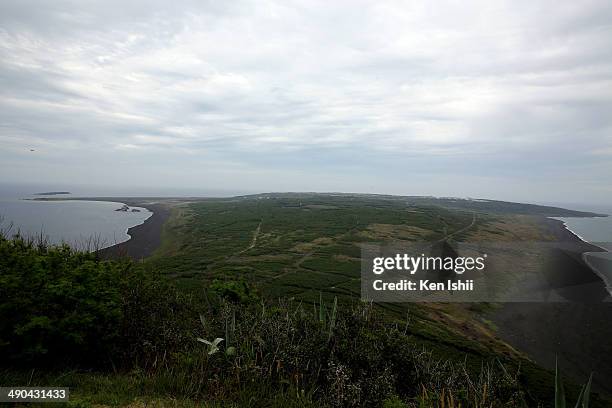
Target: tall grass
x,y
560,400
336,356
75,311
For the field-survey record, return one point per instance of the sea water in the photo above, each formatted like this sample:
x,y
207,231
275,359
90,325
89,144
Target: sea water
x,y
597,231
80,224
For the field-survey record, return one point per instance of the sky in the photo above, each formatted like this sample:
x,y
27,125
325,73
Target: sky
x,y
505,100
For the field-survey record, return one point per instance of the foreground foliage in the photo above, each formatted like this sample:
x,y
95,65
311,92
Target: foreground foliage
x,y
115,331
61,307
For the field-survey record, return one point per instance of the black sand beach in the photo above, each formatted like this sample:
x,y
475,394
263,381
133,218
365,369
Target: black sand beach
x,y
577,331
144,238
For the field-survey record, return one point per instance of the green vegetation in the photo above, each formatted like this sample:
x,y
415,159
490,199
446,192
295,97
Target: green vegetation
x,y
291,246
281,353
583,397
61,307
254,302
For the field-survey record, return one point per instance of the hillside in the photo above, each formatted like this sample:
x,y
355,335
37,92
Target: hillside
x,y
277,278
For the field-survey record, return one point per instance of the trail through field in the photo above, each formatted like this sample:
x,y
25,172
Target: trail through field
x,y
254,240
232,256
297,265
459,231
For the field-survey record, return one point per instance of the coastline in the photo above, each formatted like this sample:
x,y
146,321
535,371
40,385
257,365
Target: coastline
x,y
589,257
575,332
607,281
93,230
145,238
581,238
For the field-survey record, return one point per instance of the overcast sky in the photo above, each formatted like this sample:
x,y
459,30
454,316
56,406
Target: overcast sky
x,y
482,99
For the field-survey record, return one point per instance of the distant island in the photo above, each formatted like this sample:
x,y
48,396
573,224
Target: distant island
x,y
53,193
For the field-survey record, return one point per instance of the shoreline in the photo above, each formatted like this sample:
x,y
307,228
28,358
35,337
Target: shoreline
x,y
575,332
129,228
145,238
87,242
581,238
585,255
604,278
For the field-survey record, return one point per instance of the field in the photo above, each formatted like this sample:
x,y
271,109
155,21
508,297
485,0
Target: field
x,y
307,247
302,247
277,277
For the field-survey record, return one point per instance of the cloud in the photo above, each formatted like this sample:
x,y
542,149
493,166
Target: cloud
x,y
506,89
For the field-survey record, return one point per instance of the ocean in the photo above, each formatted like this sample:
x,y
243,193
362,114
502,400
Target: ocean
x,y
80,224
597,231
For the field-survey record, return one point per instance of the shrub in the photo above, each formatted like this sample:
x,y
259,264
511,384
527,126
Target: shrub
x,y
59,306
233,291
55,303
360,360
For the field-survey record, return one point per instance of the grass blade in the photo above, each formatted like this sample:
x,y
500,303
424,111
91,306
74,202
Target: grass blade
x,y
587,391
559,391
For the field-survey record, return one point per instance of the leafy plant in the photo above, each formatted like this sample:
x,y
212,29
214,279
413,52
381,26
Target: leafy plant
x,y
61,306
583,397
64,307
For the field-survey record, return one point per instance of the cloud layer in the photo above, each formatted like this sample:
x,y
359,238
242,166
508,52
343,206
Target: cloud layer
x,y
493,99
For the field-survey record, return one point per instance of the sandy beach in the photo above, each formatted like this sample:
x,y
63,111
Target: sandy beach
x,y
144,238
577,331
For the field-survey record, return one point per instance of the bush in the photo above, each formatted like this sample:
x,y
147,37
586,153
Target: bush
x,y
156,319
56,303
59,306
233,291
348,357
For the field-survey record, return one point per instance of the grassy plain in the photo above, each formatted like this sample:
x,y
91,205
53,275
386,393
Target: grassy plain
x,y
298,254
292,246
307,246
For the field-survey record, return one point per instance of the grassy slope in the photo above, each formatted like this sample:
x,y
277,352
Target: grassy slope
x,y
304,245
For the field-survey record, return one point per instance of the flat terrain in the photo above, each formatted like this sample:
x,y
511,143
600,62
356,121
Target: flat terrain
x,y
292,246
308,246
